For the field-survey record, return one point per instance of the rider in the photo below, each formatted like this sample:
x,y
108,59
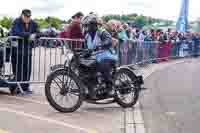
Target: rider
x,y
99,39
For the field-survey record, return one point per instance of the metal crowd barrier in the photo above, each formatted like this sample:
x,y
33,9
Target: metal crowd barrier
x,y
145,52
29,61
137,52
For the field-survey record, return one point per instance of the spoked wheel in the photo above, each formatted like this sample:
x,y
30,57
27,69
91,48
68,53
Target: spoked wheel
x,y
127,91
63,92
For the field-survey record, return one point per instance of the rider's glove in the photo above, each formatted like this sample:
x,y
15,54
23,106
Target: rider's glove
x,y
98,48
88,53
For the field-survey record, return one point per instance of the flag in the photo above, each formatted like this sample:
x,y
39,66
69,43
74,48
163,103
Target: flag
x,y
182,23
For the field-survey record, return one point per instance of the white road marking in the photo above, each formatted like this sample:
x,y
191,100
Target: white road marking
x,y
3,131
37,117
28,100
45,103
171,113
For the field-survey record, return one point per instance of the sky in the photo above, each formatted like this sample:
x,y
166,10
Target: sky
x,y
64,9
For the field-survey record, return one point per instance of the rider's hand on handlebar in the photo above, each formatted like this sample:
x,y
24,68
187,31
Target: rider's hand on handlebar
x,y
98,48
90,51
87,55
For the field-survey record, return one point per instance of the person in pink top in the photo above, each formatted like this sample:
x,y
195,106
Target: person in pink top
x,y
165,49
64,34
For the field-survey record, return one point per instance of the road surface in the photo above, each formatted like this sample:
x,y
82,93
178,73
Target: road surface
x,y
172,103
33,114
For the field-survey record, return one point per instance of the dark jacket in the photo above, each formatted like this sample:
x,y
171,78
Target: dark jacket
x,y
18,28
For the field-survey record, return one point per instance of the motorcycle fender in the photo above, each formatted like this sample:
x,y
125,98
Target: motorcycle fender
x,y
139,79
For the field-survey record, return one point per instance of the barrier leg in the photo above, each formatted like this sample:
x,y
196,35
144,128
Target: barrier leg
x,y
20,88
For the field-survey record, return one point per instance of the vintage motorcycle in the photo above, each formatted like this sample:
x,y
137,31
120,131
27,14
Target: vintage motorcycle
x,y
68,85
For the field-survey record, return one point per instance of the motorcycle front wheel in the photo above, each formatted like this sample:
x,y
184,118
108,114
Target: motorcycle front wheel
x,y
63,91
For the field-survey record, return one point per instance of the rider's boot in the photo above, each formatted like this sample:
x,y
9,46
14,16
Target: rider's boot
x,y
93,94
110,88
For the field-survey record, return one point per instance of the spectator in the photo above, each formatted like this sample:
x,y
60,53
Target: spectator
x,y
74,30
23,27
130,33
65,33
132,47
142,36
137,34
109,28
1,33
184,46
123,42
140,47
51,31
149,47
173,38
1,51
113,27
165,48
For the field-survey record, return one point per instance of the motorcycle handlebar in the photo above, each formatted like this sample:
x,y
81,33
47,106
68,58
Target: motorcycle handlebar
x,y
87,52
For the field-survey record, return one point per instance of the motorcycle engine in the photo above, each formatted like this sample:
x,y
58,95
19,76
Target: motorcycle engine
x,y
93,80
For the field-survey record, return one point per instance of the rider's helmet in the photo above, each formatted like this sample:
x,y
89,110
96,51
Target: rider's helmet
x,y
90,23
84,24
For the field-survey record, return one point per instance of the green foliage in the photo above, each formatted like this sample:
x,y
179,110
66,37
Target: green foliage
x,y
110,17
140,21
41,22
124,18
54,22
6,22
137,20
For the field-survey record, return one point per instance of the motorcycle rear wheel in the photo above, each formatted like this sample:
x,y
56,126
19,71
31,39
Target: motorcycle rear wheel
x,y
129,78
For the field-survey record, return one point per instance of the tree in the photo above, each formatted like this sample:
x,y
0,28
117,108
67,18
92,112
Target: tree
x,y
41,22
136,20
133,15
6,22
140,21
54,22
124,18
109,17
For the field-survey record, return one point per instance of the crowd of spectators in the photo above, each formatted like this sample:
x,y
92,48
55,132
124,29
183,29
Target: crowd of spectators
x,y
135,45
